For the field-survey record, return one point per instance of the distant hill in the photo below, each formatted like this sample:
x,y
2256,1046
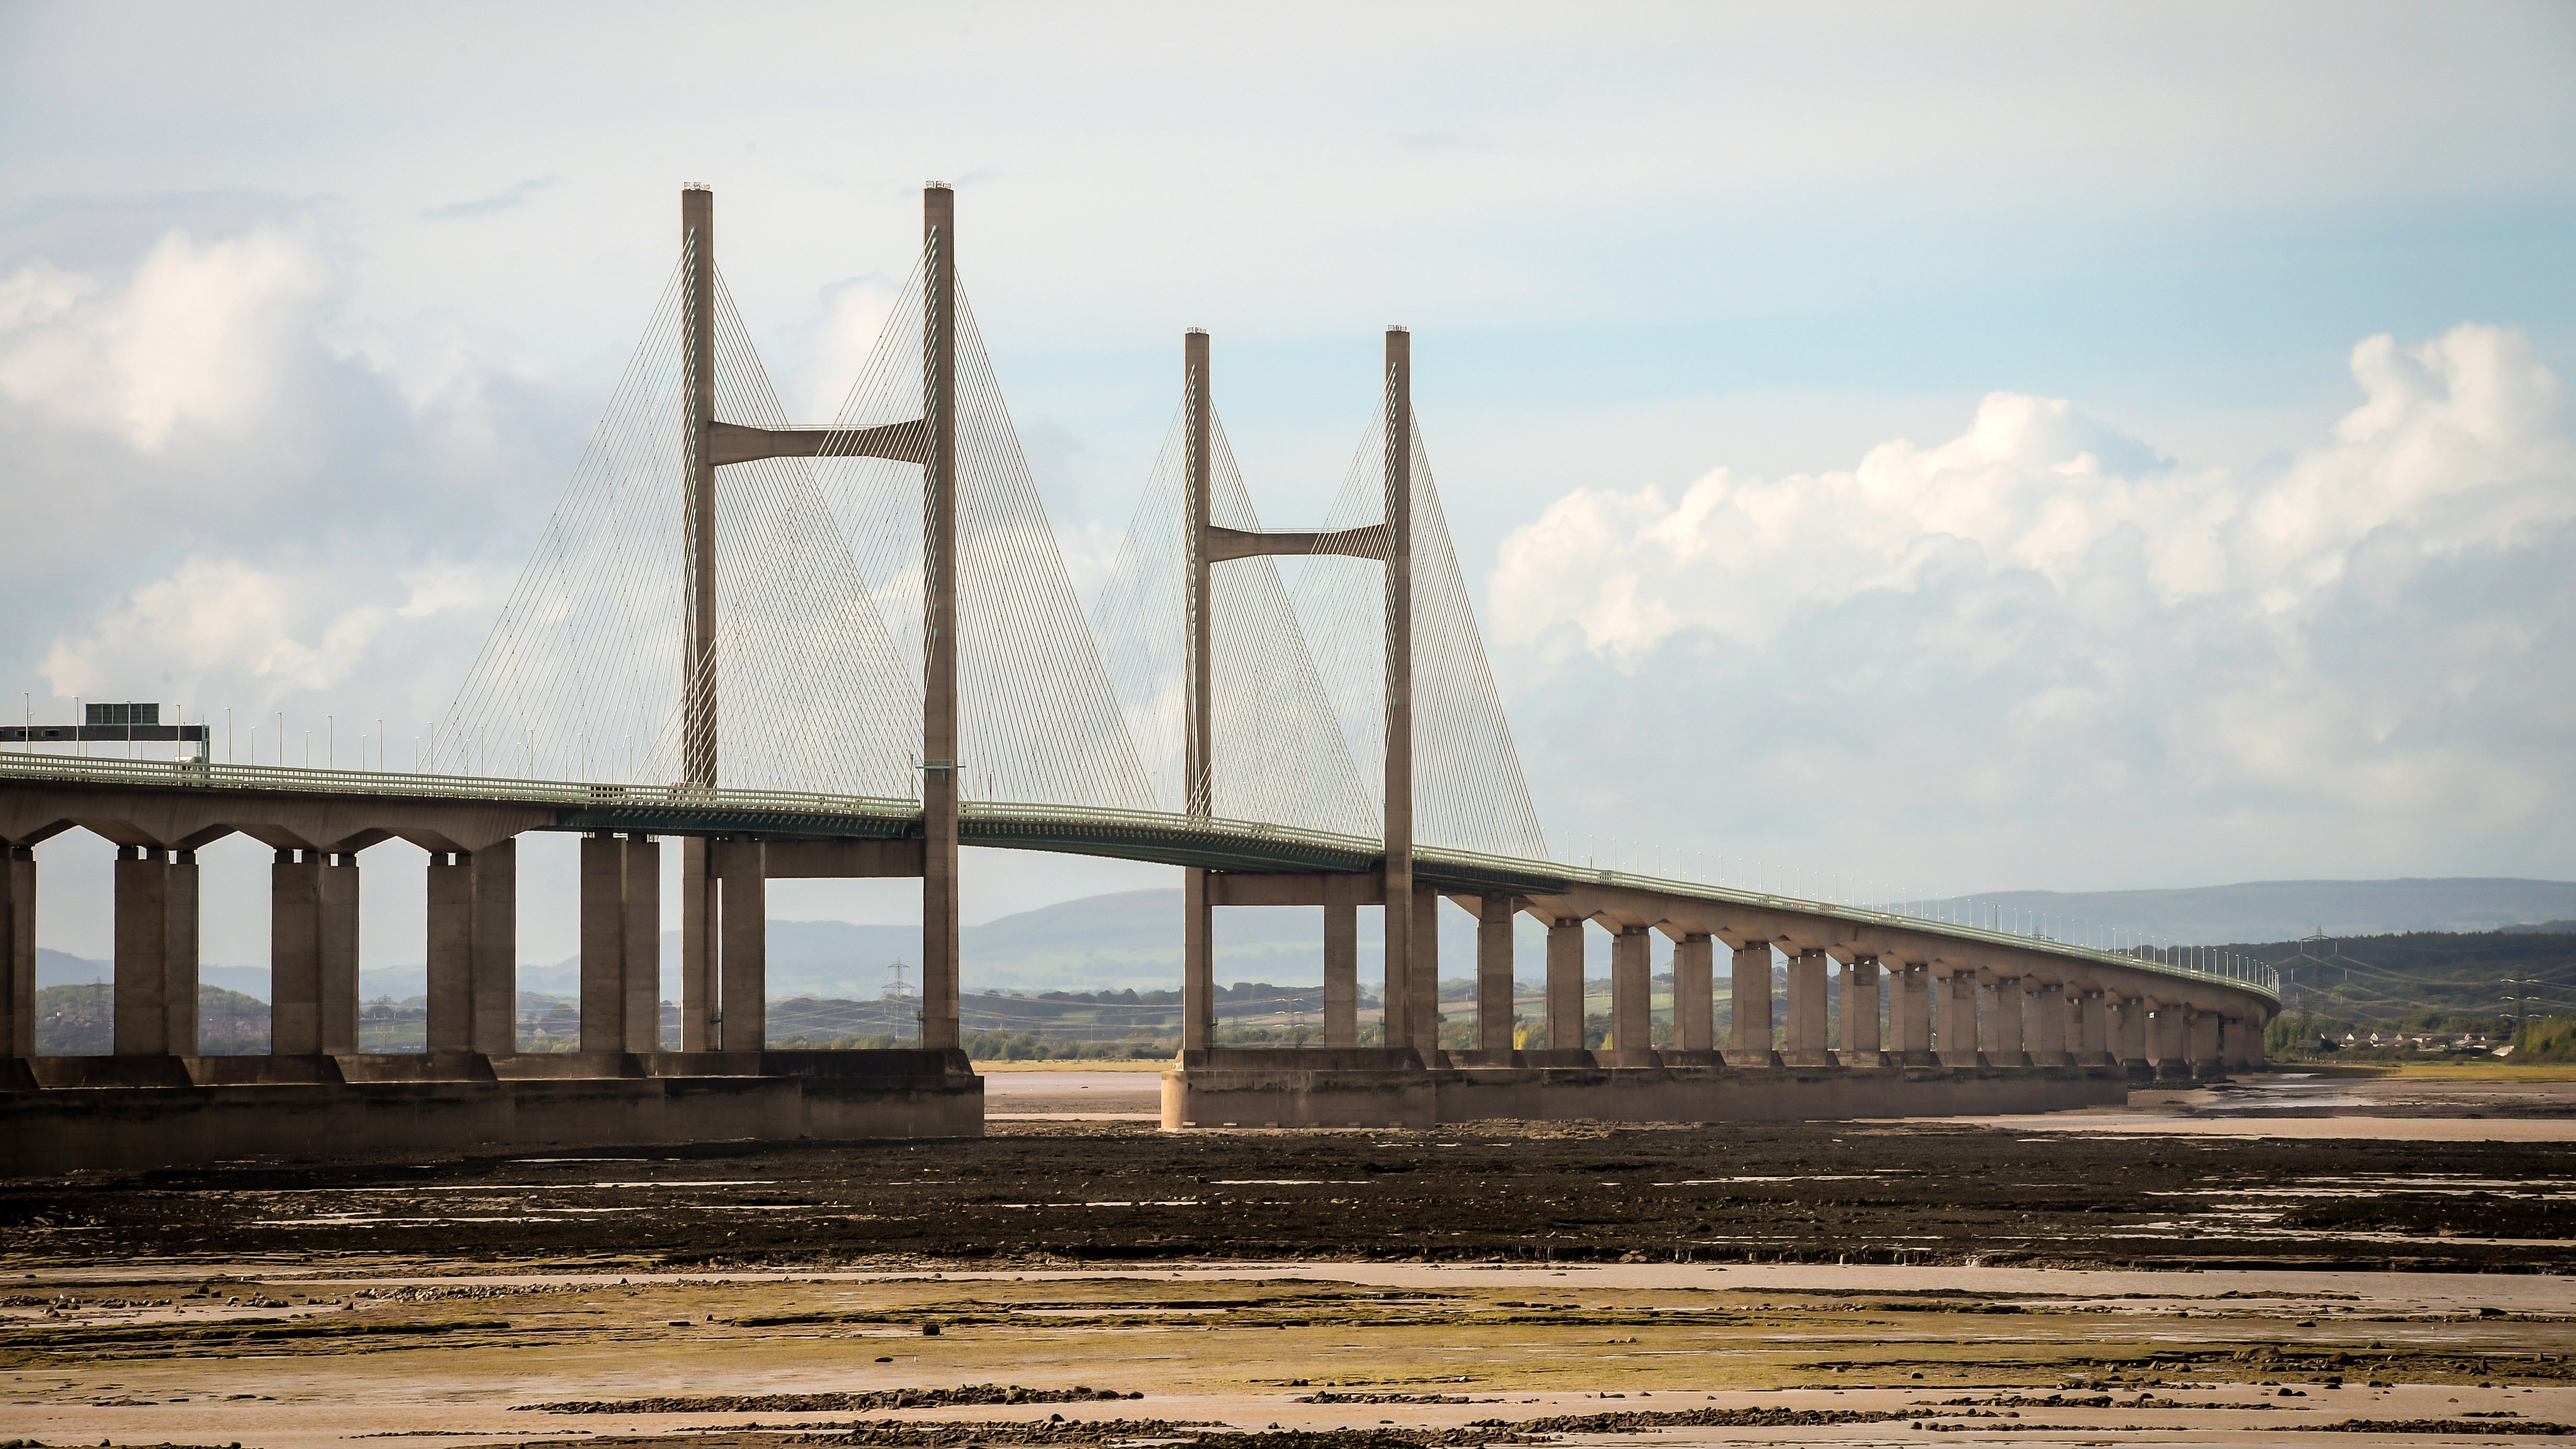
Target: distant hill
x,y
2422,980
79,1020
2284,910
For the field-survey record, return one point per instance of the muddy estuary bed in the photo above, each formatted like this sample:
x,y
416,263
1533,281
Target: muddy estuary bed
x,y
1366,1290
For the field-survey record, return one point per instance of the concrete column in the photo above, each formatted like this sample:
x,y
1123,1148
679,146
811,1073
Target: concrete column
x,y
940,562
142,951
495,870
2172,1027
2043,1023
451,953
1423,974
698,485
743,981
179,995
1632,1005
2000,1024
1862,1042
17,956
1958,1024
1914,1016
697,948
1694,994
643,933
1565,986
295,954
2241,1042
339,933
2129,1034
1807,1021
2201,1044
603,943
1494,974
1198,963
1341,976
1751,988
1404,934
2092,1025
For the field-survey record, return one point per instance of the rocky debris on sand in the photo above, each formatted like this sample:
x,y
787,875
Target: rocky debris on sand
x,y
833,1403
1631,1421
2420,1427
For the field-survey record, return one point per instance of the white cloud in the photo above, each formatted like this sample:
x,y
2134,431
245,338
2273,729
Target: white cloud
x,y
2360,659
200,334
2460,442
225,628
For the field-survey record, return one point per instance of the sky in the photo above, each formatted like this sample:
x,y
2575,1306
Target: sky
x,y
1893,451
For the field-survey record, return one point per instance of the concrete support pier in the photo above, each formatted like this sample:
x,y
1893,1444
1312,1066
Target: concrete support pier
x,y
1749,1044
142,952
1494,974
1422,974
1807,1011
451,956
1632,1040
1863,1045
1958,1024
496,947
2090,1023
1565,985
1341,975
1913,1013
1694,994
336,926
2000,1023
295,954
17,966
742,1012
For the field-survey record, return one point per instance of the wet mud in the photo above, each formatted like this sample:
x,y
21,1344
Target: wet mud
x,y
1083,1192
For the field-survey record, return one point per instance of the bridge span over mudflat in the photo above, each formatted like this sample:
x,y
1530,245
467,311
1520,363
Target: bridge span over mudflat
x,y
1929,1017
876,614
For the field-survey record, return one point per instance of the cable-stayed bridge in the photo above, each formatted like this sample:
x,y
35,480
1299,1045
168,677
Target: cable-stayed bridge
x,y
852,649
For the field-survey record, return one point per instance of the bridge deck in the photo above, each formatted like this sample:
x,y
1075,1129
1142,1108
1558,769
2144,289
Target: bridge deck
x,y
1143,835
